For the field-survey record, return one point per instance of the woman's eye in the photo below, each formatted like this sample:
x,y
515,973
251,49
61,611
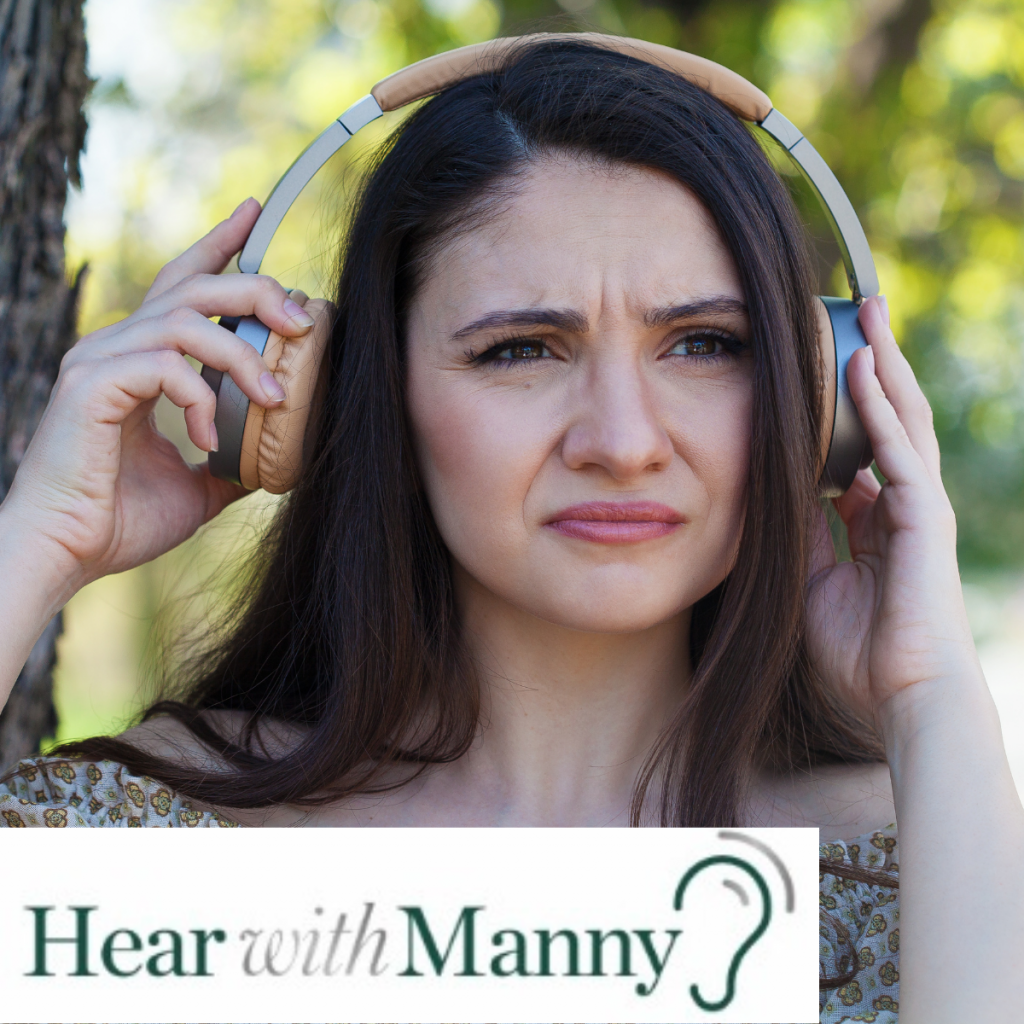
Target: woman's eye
x,y
697,345
521,350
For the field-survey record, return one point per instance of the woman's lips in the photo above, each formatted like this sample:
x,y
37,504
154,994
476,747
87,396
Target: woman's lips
x,y
609,522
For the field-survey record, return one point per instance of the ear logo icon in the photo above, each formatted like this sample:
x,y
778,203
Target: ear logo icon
x,y
762,927
712,1005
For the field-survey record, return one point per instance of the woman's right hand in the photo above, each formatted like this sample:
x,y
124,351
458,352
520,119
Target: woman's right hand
x,y
99,489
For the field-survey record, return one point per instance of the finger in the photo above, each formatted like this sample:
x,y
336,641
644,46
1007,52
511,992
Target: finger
x,y
219,493
899,383
181,332
895,454
212,295
185,388
113,390
92,341
212,253
861,495
231,295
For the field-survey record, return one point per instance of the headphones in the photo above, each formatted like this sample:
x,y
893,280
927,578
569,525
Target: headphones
x,y
263,447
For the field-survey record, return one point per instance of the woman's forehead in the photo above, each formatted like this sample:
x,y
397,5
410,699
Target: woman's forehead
x,y
583,235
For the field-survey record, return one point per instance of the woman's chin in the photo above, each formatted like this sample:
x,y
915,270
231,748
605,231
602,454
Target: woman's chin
x,y
606,611
621,598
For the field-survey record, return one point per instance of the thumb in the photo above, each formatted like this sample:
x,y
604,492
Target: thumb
x,y
219,493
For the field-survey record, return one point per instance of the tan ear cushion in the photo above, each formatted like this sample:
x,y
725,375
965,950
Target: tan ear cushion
x,y
272,443
426,77
827,347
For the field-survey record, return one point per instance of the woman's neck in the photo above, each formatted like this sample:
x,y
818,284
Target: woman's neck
x,y
567,718
567,721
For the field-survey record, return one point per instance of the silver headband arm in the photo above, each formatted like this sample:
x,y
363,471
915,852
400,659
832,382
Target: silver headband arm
x,y
299,175
860,265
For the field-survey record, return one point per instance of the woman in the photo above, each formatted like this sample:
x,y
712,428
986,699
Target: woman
x,y
557,556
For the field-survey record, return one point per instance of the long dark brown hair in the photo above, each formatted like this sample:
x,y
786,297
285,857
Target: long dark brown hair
x,y
347,626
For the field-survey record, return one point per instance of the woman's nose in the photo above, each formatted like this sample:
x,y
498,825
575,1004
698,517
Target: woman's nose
x,y
616,426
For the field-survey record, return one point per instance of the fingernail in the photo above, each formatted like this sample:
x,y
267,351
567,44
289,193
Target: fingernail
x,y
871,358
214,440
271,388
295,313
239,206
883,305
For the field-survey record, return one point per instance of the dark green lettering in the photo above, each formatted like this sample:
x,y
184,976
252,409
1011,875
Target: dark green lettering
x,y
202,938
109,949
466,923
597,941
174,953
81,942
657,963
573,944
518,954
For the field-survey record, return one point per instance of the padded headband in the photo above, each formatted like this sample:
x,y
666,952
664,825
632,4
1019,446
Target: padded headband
x,y
429,76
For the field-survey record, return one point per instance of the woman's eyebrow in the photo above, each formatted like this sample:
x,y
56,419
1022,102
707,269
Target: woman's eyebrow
x,y
562,319
721,305
574,322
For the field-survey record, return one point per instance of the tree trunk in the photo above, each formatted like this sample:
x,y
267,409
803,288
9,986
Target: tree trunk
x,y
43,84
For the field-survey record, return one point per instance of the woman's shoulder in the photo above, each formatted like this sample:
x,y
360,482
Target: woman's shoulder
x,y
54,792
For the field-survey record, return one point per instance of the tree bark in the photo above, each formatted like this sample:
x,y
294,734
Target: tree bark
x,y
43,84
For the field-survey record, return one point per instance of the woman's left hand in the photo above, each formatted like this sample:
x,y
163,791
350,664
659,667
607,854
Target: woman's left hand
x,y
894,616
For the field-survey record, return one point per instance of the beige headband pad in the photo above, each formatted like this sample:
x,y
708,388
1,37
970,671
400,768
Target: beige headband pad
x,y
272,445
429,76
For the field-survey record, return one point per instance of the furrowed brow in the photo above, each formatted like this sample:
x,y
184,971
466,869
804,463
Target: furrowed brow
x,y
719,305
561,319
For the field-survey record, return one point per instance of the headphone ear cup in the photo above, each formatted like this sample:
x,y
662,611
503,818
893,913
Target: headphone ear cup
x,y
845,445
272,443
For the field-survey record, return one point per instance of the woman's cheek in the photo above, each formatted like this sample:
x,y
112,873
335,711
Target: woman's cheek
x,y
478,457
727,471
710,431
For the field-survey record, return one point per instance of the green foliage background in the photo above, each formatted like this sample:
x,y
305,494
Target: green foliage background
x,y
918,106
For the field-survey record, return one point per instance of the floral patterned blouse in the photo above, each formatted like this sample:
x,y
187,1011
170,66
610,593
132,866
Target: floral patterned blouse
x,y
103,794
859,950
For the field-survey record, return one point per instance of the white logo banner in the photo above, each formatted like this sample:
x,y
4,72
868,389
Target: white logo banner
x,y
514,926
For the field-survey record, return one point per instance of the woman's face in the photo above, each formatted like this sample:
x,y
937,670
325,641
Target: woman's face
x,y
579,389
